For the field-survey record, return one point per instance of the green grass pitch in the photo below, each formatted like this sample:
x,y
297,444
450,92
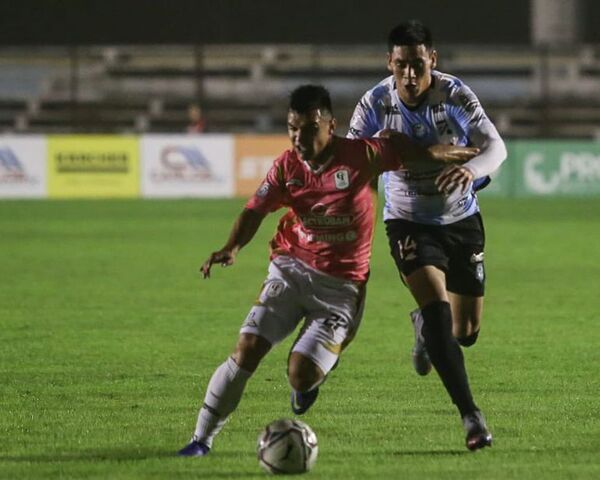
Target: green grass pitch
x,y
109,336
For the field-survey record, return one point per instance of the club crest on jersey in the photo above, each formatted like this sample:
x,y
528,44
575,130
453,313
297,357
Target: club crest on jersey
x,y
419,130
342,179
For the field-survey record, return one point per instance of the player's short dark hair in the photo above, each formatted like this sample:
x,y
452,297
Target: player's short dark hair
x,y
410,33
310,97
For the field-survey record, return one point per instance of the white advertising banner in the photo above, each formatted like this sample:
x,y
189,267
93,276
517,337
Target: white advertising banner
x,y
22,166
187,166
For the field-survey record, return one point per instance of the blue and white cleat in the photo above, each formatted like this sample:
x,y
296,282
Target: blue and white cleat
x,y
478,435
194,449
420,358
301,402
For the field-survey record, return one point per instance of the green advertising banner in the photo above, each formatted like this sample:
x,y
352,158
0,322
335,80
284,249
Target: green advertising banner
x,y
548,168
557,168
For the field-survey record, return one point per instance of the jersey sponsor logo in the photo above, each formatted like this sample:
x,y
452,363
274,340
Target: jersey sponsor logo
x,y
323,221
342,179
341,237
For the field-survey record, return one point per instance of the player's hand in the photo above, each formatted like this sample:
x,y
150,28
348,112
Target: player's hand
x,y
452,153
225,257
453,177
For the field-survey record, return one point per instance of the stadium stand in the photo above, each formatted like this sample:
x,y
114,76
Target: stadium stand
x,y
242,88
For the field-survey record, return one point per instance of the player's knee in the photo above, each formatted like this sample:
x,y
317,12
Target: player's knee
x,y
250,350
468,340
465,330
303,374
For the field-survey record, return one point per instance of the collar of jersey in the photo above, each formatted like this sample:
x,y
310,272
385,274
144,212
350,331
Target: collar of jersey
x,y
323,166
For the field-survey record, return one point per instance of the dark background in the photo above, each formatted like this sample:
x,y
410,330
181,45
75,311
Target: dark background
x,y
64,22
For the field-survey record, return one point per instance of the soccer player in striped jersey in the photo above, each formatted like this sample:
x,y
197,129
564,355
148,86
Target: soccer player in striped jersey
x,y
319,255
432,215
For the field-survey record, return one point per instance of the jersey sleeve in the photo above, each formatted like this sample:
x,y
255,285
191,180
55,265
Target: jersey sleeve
x,y
364,123
270,194
383,156
481,132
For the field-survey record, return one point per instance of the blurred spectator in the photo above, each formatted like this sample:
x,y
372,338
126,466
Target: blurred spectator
x,y
197,123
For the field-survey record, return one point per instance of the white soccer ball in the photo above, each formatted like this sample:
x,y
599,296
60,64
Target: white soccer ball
x,y
287,446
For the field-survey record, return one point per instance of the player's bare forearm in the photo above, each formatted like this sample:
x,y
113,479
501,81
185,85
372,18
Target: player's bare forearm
x,y
451,153
243,230
414,154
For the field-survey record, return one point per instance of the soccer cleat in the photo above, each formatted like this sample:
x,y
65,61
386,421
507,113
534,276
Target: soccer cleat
x,y
420,358
478,435
194,449
301,402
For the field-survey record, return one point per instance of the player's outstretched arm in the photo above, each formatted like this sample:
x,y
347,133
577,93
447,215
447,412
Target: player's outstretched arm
x,y
452,153
244,229
413,154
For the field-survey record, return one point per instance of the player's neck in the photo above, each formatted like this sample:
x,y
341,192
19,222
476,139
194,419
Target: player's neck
x,y
322,157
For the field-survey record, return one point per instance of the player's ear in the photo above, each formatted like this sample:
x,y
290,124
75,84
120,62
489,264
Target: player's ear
x,y
332,125
389,63
433,57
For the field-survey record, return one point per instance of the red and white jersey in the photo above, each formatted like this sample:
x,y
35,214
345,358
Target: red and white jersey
x,y
331,216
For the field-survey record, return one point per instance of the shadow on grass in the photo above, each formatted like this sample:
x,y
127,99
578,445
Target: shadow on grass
x,y
429,453
116,455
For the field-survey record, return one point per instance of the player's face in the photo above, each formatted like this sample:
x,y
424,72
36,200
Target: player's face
x,y
310,132
411,67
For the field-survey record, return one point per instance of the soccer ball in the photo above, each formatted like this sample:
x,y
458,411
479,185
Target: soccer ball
x,y
287,446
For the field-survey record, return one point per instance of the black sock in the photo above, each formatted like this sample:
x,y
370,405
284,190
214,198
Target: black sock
x,y
468,340
445,354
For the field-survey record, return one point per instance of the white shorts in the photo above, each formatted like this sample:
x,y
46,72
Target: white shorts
x,y
332,308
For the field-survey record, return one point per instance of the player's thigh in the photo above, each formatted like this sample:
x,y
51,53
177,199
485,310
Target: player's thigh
x,y
427,284
414,246
466,270
332,322
278,309
466,314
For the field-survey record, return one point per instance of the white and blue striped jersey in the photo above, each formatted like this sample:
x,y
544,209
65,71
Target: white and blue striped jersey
x,y
449,114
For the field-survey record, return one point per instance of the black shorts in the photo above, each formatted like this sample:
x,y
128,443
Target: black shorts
x,y
456,248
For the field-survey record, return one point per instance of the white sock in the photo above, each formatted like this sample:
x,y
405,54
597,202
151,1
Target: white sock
x,y
223,394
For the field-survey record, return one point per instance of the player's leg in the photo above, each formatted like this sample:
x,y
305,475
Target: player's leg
x,y
274,317
225,390
465,278
428,286
466,315
413,246
334,315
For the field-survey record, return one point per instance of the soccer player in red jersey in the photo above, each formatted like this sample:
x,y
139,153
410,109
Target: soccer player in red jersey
x,y
319,255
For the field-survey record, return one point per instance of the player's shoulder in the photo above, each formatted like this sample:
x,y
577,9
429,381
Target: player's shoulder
x,y
357,150
380,93
452,90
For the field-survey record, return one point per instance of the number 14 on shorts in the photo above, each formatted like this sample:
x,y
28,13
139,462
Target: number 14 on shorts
x,y
407,248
